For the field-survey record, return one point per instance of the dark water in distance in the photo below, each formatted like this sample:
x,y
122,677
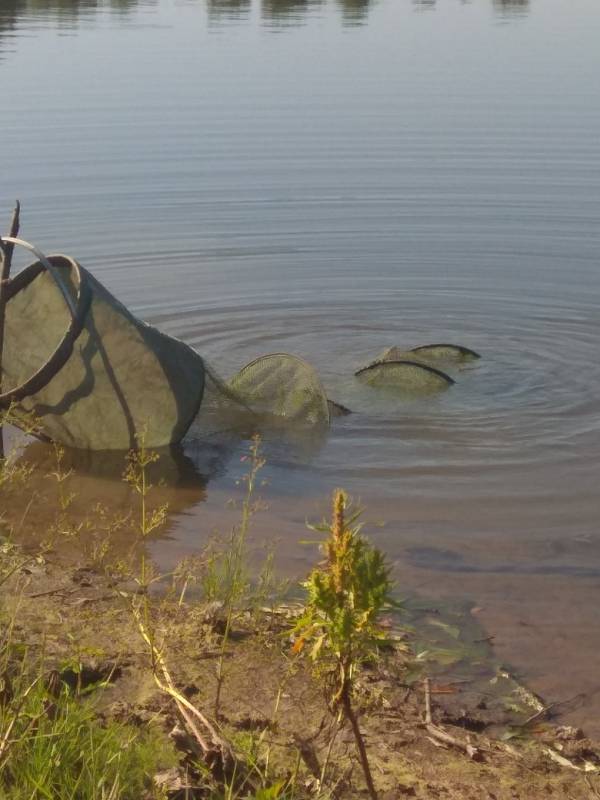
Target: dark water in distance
x,y
330,178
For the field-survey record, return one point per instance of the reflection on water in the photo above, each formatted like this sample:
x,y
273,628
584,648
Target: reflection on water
x,y
177,467
424,5
283,13
503,7
276,13
228,10
97,491
10,10
511,7
354,12
181,474
175,470
65,13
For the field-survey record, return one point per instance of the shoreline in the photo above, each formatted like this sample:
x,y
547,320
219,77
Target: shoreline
x,y
72,610
196,674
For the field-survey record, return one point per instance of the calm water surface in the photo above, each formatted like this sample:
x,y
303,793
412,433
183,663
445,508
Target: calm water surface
x,y
329,178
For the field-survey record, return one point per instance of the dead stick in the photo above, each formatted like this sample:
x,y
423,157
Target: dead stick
x,y
446,738
168,687
427,701
6,253
438,733
544,712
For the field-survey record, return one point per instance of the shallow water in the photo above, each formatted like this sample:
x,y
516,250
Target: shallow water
x,y
331,178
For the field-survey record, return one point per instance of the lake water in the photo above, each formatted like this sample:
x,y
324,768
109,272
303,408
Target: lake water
x,y
329,178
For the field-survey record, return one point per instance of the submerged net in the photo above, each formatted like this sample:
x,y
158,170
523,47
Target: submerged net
x,y
417,369
282,386
271,391
431,353
409,376
222,410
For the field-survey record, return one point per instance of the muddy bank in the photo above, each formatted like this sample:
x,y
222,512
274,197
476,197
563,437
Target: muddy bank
x,y
487,737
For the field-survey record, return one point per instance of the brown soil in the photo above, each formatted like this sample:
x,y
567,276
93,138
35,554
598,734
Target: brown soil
x,y
83,618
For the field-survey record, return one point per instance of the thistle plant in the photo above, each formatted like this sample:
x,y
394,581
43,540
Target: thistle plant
x,y
339,628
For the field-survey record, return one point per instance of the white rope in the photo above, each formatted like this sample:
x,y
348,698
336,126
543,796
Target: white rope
x,y
51,269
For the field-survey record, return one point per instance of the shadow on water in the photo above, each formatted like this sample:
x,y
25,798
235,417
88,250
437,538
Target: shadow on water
x,y
189,466
179,477
95,483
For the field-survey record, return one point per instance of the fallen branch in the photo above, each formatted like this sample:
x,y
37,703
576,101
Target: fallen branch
x,y
564,762
428,720
539,715
442,736
212,744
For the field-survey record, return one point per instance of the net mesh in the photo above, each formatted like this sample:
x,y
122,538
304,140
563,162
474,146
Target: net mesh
x,y
222,409
407,375
116,377
121,379
282,386
430,354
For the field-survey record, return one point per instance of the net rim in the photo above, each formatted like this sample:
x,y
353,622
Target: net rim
x,y
42,377
464,351
299,360
383,363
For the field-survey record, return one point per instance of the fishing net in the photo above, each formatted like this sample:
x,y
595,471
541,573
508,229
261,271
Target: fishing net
x,y
446,353
98,378
284,386
417,369
95,376
409,376
222,410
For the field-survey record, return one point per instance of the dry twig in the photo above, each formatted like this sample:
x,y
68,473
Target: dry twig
x,y
212,743
442,736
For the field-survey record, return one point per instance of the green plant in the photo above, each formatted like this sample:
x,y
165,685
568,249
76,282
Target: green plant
x,y
136,475
150,518
345,597
269,589
234,579
54,745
